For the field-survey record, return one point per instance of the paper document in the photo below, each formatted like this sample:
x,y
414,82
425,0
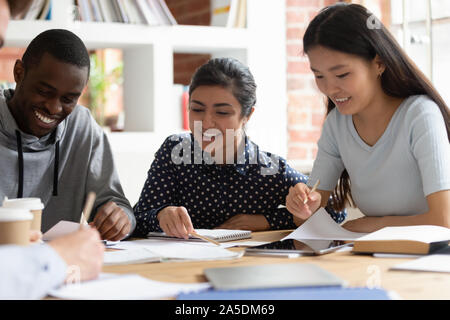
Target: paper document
x,y
124,287
243,244
434,263
422,233
60,229
129,256
214,234
181,250
321,226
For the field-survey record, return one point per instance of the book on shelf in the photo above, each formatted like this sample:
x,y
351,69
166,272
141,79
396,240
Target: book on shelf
x,y
35,9
229,13
84,10
220,235
108,12
97,14
38,10
134,14
121,9
169,16
422,239
148,12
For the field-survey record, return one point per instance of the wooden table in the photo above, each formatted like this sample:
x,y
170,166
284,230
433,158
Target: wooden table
x,y
357,270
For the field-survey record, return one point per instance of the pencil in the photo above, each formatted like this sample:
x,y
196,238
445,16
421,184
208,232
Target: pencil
x,y
312,190
195,234
90,199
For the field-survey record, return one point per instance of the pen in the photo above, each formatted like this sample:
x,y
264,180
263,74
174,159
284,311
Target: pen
x,y
87,209
312,190
195,234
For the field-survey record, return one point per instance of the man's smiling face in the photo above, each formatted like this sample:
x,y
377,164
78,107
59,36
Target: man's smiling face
x,y
46,93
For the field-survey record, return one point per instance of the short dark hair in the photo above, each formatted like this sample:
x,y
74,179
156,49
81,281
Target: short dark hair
x,y
228,73
62,44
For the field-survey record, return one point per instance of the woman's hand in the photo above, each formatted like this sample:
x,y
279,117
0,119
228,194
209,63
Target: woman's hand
x,y
295,201
175,222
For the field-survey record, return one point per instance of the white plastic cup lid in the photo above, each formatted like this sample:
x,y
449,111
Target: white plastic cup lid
x,y
24,203
14,214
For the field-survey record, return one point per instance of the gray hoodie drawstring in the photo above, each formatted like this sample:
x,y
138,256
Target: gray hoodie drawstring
x,y
20,152
55,168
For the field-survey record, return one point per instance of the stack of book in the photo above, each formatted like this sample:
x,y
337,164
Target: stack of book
x,y
39,10
148,12
229,13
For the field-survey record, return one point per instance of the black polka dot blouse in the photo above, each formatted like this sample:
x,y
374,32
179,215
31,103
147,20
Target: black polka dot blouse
x,y
183,175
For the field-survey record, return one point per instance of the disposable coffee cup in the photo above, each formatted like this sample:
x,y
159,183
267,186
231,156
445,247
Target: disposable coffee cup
x,y
15,226
34,205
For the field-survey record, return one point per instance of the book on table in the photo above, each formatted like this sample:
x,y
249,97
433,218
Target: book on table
x,y
220,235
423,239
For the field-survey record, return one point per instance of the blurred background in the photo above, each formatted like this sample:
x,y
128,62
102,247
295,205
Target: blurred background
x,y
144,52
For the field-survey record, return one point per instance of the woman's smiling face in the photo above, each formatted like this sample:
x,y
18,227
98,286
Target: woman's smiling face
x,y
214,110
351,82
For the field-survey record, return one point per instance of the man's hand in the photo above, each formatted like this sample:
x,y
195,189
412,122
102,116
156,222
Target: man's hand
x,y
112,222
250,222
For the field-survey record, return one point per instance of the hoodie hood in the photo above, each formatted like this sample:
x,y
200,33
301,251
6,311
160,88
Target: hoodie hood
x,y
15,139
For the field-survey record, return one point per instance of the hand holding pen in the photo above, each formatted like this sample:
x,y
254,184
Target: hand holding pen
x,y
302,202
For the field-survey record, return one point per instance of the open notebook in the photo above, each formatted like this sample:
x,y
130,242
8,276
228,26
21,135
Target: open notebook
x,y
220,235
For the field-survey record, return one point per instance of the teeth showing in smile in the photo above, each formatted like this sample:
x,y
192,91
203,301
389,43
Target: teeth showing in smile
x,y
43,118
342,100
210,135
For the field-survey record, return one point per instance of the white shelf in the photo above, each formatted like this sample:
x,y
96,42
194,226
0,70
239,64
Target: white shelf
x,y
148,74
198,39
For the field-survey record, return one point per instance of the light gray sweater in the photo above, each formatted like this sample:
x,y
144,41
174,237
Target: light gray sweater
x,y
83,163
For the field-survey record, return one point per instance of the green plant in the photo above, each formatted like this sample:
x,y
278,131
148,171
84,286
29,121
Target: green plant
x,y
100,82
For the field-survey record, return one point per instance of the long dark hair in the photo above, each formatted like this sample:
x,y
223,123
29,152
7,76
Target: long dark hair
x,y
228,73
352,29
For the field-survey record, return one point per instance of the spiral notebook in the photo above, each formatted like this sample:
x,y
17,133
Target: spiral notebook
x,y
220,235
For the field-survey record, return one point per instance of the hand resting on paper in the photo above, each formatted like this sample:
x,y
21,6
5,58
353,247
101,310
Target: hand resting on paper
x,y
112,222
246,222
295,201
175,222
81,249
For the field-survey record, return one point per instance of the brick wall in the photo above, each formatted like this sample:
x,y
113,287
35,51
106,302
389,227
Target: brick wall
x,y
189,12
306,108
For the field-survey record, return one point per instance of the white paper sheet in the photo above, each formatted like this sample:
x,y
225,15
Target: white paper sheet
x,y
60,229
433,263
243,244
125,287
423,233
321,226
129,256
181,250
